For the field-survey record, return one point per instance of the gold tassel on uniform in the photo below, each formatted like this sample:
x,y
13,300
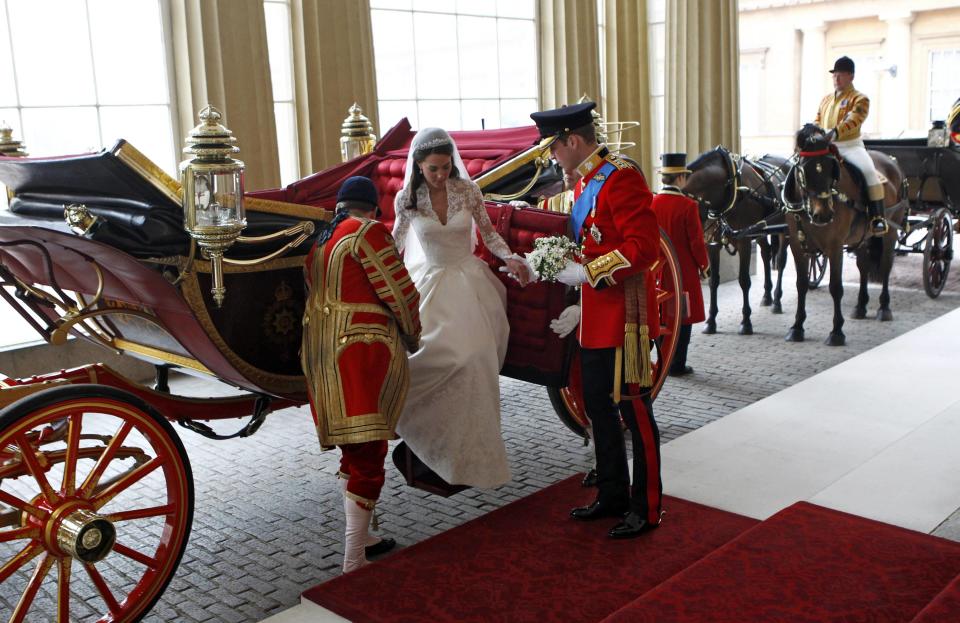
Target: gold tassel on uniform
x,y
646,360
631,352
617,374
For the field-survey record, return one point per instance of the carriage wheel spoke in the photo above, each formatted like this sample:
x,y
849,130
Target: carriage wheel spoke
x,y
133,554
102,588
24,556
28,532
126,481
26,599
94,476
19,504
33,466
69,484
141,513
63,590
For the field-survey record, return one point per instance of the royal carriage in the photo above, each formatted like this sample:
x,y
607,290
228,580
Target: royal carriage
x,y
933,191
94,480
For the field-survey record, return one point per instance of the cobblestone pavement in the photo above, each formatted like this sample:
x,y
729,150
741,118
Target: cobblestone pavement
x,y
268,513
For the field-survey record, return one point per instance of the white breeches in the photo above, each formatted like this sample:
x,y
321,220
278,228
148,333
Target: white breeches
x,y
855,152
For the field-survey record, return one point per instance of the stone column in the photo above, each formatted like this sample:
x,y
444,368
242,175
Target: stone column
x,y
895,83
813,83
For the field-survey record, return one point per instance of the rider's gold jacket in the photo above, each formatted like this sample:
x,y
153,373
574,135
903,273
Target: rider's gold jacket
x,y
845,111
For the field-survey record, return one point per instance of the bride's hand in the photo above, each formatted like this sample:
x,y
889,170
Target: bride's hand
x,y
518,270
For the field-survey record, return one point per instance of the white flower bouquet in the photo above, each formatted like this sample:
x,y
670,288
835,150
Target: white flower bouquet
x,y
550,254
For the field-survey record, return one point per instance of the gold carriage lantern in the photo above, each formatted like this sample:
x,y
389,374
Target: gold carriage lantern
x,y
213,212
356,135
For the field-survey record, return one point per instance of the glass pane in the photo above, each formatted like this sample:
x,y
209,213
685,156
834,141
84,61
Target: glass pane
x,y
516,113
440,114
437,6
435,39
656,11
393,54
390,4
478,56
477,7
518,58
393,111
61,131
480,114
8,87
148,128
516,8
53,61
128,53
658,47
280,50
287,143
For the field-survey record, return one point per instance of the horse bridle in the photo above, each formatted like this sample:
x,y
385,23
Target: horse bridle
x,y
798,174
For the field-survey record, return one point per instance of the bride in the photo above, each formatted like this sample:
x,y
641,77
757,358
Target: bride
x,y
451,420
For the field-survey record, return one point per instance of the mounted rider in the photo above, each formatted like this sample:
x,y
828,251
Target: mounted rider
x,y
842,112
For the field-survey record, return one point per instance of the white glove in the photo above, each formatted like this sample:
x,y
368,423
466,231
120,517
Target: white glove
x,y
519,204
567,321
572,274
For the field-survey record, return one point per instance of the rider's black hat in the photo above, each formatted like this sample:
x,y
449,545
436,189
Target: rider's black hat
x,y
560,121
673,164
844,63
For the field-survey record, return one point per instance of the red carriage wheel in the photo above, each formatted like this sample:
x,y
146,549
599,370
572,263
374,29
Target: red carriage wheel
x,y
568,401
100,514
937,253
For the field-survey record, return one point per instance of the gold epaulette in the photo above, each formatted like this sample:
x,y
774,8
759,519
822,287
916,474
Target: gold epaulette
x,y
600,270
617,161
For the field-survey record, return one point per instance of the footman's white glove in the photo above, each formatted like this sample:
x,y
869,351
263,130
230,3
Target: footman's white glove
x,y
573,274
567,321
519,204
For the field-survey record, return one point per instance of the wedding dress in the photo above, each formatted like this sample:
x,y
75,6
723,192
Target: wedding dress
x,y
451,420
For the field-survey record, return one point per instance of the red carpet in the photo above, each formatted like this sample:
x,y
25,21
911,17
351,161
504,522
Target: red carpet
x,y
945,608
808,563
528,561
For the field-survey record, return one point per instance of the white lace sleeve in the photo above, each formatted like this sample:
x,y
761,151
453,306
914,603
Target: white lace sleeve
x,y
401,220
491,238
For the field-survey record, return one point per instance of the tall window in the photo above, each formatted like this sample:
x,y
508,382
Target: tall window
x,y
943,86
752,64
456,64
280,50
76,75
656,22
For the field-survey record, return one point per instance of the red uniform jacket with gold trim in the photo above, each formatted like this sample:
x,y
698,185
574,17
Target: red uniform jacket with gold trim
x,y
361,308
679,216
629,243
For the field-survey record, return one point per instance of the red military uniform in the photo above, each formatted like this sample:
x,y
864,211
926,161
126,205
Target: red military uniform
x,y
361,307
679,216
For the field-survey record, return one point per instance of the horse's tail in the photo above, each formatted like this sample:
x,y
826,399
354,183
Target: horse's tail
x,y
775,252
875,259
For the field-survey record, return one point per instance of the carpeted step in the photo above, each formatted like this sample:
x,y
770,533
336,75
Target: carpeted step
x,y
945,607
528,561
807,563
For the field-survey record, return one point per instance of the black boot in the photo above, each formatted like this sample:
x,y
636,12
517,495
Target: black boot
x,y
878,224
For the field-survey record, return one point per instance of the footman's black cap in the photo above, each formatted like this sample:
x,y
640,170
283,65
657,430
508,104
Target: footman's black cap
x,y
844,63
560,121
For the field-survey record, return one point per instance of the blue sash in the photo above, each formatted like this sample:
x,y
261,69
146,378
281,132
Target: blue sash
x,y
588,198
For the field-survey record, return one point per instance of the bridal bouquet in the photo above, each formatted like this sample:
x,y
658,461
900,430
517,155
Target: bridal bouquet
x,y
550,254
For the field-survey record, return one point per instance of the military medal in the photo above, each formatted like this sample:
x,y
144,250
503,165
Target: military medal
x,y
595,233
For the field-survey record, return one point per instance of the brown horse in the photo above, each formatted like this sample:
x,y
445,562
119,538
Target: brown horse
x,y
739,199
825,202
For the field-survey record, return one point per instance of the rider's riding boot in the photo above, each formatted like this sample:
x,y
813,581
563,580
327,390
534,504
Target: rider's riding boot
x,y
878,224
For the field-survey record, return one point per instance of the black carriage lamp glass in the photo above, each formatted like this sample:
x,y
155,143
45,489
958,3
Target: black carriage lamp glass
x,y
213,212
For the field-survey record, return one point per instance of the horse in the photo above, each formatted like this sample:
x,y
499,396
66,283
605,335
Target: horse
x,y
739,200
825,204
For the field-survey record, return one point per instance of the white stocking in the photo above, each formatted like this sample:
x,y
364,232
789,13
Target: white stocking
x,y
371,539
355,537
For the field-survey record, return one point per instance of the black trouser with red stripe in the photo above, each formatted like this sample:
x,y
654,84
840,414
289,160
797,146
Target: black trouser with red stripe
x,y
613,478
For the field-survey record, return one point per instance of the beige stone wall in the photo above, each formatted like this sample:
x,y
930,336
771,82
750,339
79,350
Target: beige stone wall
x,y
788,46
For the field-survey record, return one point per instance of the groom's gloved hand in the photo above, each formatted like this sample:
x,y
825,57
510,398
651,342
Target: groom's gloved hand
x,y
567,321
572,274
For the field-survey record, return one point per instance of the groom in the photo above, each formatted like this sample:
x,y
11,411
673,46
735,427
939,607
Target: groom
x,y
617,228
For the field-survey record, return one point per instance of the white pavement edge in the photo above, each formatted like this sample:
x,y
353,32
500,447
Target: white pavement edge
x,y
306,612
873,436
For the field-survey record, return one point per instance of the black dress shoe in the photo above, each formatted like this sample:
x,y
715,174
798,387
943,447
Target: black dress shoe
x,y
589,479
599,510
382,547
685,370
632,526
